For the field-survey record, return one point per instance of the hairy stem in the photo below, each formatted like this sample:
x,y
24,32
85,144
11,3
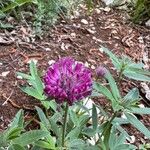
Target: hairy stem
x,y
64,125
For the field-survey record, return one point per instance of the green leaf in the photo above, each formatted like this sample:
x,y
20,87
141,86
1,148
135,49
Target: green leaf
x,y
25,76
34,73
102,111
121,138
131,98
16,147
141,111
135,66
32,92
74,117
91,147
3,141
113,85
30,137
14,4
103,90
83,119
55,128
138,69
122,130
48,139
107,133
120,121
138,124
39,85
90,132
76,144
136,76
125,147
112,140
18,119
5,25
56,117
13,133
74,133
94,117
42,117
46,145
33,70
115,60
132,95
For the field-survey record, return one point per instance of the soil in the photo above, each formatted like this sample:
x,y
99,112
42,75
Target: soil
x,y
68,38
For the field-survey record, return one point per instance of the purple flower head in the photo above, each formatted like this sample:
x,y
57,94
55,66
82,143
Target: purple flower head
x,y
68,80
101,71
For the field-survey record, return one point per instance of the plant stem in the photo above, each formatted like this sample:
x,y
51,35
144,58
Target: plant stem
x,y
120,77
109,123
107,129
64,125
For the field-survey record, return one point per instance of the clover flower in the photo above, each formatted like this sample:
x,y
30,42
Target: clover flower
x,y
68,80
101,71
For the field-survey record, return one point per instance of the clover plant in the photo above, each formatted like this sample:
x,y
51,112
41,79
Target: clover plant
x,y
66,91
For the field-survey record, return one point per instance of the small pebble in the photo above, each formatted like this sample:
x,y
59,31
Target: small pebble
x,y
92,67
47,49
107,9
123,116
91,31
73,35
132,139
84,21
86,64
4,74
51,62
97,11
141,106
147,23
19,77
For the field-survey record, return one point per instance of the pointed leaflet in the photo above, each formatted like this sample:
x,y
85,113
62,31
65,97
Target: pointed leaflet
x,y
32,92
30,137
113,85
136,76
45,145
18,119
25,76
42,117
142,111
138,124
74,117
115,60
103,90
15,147
37,80
132,95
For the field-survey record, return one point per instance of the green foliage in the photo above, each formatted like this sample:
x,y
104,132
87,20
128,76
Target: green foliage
x,y
125,66
15,139
44,13
12,4
35,86
78,126
127,104
141,11
117,142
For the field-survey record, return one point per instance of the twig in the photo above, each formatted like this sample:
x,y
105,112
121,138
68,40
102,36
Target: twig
x,y
7,98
